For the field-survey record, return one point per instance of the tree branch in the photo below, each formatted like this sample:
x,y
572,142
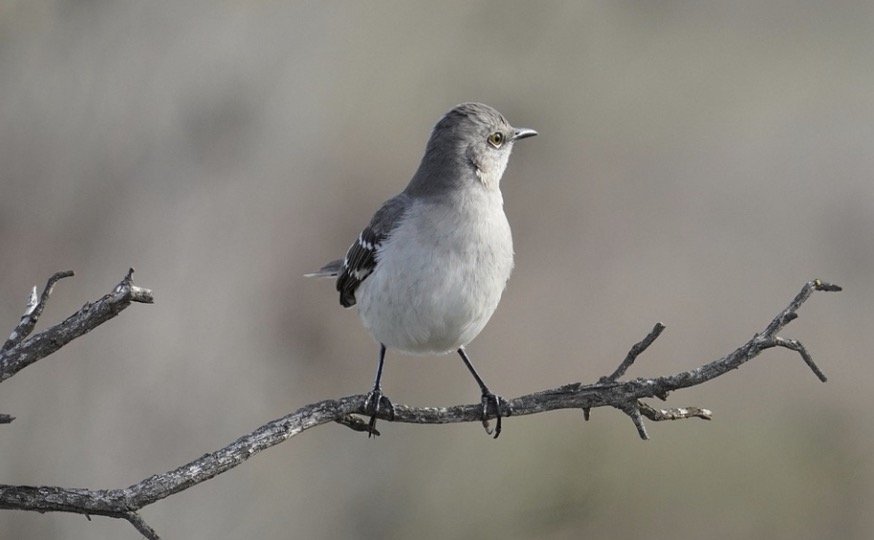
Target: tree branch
x,y
34,310
608,391
18,353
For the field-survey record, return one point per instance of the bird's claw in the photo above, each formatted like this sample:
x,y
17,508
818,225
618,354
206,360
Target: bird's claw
x,y
488,398
377,401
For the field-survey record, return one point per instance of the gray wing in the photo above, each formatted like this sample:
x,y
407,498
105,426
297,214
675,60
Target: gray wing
x,y
360,260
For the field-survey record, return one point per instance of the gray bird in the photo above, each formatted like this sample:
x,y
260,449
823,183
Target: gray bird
x,y
428,271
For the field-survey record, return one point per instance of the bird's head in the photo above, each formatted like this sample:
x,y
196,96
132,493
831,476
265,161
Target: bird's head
x,y
474,138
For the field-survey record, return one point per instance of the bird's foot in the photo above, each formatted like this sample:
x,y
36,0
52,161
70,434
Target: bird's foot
x,y
377,401
497,402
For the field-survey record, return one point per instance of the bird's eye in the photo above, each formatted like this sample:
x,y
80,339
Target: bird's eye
x,y
496,139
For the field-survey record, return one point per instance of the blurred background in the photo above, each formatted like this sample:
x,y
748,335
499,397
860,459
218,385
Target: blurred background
x,y
697,163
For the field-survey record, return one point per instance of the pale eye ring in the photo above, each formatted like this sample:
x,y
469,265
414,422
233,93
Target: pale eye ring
x,y
496,139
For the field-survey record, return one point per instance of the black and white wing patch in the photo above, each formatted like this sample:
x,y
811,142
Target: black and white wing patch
x,y
359,263
361,258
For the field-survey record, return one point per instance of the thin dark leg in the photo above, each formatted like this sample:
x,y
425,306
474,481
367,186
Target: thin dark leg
x,y
488,396
375,398
379,367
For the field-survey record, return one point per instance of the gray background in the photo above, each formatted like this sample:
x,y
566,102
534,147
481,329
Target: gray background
x,y
697,163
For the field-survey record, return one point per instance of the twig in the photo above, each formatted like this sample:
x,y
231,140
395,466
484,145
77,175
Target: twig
x,y
25,352
608,391
635,351
141,526
34,310
679,413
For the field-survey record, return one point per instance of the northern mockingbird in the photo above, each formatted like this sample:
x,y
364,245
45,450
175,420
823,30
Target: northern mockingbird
x,y
428,271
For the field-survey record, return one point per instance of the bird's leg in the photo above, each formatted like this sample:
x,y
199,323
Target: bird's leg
x,y
488,397
376,399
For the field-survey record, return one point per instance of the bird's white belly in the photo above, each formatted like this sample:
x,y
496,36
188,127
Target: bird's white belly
x,y
434,293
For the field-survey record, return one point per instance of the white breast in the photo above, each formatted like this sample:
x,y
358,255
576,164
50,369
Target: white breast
x,y
440,276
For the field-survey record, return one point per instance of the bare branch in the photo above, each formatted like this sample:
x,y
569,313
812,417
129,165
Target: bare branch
x,y
635,351
633,412
141,526
679,413
607,392
795,345
25,352
33,311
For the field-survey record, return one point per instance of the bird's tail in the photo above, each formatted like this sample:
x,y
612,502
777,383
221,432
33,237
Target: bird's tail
x,y
332,269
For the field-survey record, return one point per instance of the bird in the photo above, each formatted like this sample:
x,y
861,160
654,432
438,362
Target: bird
x,y
429,269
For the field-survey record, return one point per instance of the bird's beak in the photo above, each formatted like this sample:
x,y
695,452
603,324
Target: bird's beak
x,y
522,133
